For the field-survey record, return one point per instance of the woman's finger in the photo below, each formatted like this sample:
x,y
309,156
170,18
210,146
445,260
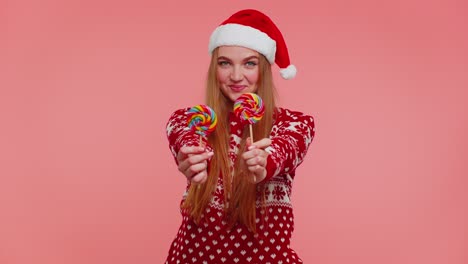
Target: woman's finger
x,y
261,144
200,177
254,153
192,149
195,169
186,151
256,161
193,159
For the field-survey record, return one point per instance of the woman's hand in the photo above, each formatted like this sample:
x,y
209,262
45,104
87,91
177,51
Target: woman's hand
x,y
193,163
256,158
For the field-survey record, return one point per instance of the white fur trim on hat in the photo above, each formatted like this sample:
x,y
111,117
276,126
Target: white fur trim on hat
x,y
288,72
245,36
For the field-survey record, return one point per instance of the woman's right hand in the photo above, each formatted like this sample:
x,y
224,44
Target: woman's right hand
x,y
193,163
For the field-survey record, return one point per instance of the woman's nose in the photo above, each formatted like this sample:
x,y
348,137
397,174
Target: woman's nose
x,y
236,74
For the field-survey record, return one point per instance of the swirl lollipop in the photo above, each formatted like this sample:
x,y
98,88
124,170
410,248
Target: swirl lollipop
x,y
202,120
249,108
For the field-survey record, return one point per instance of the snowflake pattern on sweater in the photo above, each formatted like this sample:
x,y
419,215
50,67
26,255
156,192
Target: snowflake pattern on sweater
x,y
211,241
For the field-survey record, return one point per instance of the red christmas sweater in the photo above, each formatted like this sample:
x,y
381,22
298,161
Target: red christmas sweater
x,y
211,241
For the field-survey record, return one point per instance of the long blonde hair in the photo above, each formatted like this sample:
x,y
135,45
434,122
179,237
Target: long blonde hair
x,y
239,189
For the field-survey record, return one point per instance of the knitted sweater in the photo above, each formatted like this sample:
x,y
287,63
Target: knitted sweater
x,y
211,241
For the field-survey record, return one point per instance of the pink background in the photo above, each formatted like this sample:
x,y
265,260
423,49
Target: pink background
x,y
86,89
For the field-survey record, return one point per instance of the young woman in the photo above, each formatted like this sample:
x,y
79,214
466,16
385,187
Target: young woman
x,y
237,206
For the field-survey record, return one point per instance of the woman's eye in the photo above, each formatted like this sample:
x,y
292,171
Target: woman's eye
x,y
223,63
251,63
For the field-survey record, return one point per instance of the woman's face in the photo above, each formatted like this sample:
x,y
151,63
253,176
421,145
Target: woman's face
x,y
237,71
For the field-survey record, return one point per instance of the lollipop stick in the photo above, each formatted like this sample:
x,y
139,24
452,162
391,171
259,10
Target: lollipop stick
x,y
251,141
201,145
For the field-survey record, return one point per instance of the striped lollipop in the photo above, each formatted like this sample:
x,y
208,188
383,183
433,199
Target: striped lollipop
x,y
249,108
202,120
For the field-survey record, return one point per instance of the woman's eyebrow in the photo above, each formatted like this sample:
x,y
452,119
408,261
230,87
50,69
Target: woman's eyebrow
x,y
223,58
245,59
251,57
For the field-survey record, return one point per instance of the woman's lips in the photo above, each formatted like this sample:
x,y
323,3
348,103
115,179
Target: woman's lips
x,y
237,88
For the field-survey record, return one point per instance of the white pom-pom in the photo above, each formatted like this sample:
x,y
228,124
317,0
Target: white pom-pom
x,y
288,72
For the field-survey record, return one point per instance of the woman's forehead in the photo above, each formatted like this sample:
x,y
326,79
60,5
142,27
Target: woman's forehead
x,y
236,52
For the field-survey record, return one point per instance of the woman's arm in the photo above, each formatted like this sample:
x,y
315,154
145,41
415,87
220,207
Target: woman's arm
x,y
290,137
178,133
191,159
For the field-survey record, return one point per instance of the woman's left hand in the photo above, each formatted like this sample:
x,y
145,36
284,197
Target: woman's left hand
x,y
256,158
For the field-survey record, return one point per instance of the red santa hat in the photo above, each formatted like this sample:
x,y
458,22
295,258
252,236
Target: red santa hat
x,y
254,30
